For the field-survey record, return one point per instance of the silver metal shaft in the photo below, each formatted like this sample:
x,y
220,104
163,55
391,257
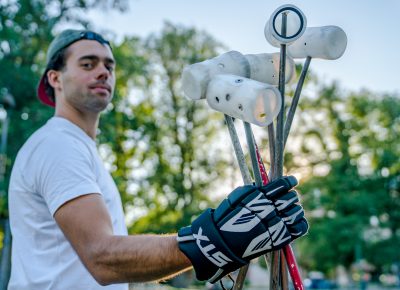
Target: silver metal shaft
x,y
253,155
295,101
244,170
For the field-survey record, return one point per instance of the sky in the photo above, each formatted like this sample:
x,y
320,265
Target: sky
x,y
371,59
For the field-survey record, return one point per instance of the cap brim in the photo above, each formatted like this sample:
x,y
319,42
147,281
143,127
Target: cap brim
x,y
41,92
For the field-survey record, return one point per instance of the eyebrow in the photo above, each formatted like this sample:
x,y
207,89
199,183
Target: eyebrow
x,y
95,57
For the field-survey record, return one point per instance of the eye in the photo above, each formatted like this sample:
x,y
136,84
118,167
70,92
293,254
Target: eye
x,y
87,65
110,68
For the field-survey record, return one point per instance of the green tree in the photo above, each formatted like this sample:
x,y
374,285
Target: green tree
x,y
348,148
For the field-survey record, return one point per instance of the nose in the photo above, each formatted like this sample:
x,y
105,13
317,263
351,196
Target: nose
x,y
102,72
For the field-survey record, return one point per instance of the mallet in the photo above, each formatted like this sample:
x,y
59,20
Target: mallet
x,y
286,24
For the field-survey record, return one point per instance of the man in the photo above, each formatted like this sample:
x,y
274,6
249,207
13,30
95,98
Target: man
x,y
66,214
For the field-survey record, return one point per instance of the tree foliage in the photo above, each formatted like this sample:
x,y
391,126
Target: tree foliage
x,y
167,149
348,156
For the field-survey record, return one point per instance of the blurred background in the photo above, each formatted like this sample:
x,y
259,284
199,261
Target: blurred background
x,y
171,158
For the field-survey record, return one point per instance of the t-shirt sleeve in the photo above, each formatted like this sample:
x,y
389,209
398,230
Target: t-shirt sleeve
x,y
65,171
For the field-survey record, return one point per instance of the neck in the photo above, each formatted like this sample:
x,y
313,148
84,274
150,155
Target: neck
x,y
87,121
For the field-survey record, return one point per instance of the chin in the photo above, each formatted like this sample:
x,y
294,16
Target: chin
x,y
98,104
97,107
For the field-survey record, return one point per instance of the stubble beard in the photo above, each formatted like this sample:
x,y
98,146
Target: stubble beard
x,y
88,102
95,103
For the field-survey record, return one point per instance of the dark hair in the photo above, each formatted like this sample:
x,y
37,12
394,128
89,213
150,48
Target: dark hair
x,y
57,62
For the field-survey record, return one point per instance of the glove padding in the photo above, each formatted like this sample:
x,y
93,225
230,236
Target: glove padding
x,y
290,212
250,222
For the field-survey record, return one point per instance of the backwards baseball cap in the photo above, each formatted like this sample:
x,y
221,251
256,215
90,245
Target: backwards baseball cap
x,y
63,40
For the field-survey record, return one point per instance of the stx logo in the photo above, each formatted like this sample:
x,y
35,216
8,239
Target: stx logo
x,y
217,258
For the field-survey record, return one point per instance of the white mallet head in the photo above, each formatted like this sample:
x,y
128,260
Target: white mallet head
x,y
242,98
325,42
296,23
264,67
195,77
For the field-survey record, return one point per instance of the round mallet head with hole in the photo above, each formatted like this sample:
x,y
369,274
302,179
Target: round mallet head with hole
x,y
295,25
245,99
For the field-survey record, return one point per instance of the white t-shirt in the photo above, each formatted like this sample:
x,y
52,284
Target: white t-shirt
x,y
59,162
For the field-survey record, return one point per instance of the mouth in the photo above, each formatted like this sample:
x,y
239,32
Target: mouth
x,y
101,88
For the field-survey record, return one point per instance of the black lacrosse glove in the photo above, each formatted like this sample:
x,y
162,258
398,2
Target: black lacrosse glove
x,y
291,213
250,222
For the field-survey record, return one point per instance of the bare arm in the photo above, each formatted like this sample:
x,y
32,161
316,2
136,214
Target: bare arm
x,y
115,259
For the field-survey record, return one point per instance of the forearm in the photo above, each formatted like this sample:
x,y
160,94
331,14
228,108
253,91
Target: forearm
x,y
116,259
138,258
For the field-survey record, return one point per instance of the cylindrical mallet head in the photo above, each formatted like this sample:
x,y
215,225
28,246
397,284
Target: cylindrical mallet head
x,y
326,42
249,100
296,23
264,67
195,77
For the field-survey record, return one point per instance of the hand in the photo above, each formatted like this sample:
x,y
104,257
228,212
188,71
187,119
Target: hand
x,y
250,222
291,213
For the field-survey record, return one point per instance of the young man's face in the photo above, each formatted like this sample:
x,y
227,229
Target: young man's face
x,y
87,82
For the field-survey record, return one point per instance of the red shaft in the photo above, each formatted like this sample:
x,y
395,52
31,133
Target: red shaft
x,y
289,255
293,269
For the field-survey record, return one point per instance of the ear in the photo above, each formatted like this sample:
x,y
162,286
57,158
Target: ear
x,y
53,78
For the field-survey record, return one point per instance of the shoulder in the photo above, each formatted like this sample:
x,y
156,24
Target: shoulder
x,y
54,148
57,145
55,140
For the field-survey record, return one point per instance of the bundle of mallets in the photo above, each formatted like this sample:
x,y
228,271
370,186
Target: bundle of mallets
x,y
244,87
